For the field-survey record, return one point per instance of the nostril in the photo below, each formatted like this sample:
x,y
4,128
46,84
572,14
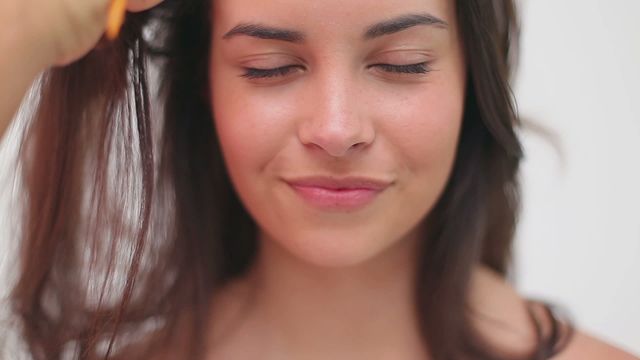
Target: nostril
x,y
358,145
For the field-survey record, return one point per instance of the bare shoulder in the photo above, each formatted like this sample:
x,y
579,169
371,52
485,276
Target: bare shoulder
x,y
505,320
585,347
500,314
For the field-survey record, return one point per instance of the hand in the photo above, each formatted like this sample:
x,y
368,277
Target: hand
x,y
62,31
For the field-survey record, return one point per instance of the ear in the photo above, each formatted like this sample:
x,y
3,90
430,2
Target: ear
x,y
141,5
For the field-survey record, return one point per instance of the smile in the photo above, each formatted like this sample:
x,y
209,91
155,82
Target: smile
x,y
347,194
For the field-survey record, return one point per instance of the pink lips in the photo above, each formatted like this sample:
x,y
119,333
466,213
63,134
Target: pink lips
x,y
338,194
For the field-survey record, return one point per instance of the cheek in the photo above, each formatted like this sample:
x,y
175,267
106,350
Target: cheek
x,y
250,129
423,130
425,127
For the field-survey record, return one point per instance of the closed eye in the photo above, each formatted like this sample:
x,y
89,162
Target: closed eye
x,y
254,73
419,68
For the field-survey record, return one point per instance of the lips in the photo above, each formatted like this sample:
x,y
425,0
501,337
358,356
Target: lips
x,y
340,184
327,193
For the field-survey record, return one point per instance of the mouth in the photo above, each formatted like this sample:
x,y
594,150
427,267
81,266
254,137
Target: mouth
x,y
338,194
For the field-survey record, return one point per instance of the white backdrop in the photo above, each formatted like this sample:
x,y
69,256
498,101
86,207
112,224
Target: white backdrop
x,y
579,239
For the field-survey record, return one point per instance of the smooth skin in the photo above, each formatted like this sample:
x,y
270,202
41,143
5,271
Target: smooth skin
x,y
337,284
312,284
504,322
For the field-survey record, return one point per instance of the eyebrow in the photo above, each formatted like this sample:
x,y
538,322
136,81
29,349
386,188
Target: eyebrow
x,y
402,23
383,28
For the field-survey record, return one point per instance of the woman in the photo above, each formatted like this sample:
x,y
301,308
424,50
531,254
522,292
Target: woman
x,y
334,179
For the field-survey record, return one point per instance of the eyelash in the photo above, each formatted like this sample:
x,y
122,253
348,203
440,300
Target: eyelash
x,y
419,68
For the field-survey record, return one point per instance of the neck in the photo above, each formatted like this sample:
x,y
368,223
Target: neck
x,y
362,309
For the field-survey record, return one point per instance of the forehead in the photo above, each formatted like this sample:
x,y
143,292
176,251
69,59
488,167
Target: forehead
x,y
323,18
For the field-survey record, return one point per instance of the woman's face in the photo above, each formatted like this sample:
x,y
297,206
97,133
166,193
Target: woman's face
x,y
338,119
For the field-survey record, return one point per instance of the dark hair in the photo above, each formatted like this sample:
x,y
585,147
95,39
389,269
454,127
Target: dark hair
x,y
131,223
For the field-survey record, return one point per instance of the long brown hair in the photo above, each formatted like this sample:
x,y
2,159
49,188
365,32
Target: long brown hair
x,y
130,220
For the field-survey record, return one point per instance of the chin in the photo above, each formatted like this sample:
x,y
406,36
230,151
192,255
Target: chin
x,y
330,249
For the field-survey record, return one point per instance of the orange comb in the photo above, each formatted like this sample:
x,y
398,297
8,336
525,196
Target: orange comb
x,y
115,18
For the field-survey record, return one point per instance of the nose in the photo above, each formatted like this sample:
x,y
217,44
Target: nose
x,y
336,120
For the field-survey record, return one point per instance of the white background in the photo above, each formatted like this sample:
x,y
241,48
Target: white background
x,y
579,239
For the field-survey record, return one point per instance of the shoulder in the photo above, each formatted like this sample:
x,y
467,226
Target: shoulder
x,y
507,322
585,347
